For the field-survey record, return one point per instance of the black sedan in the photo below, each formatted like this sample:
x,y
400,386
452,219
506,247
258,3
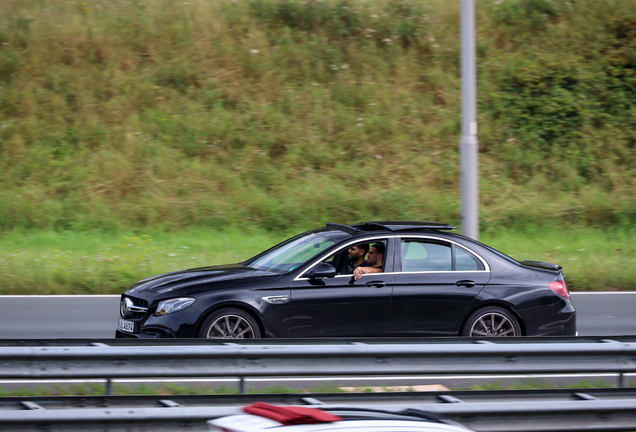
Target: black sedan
x,y
373,279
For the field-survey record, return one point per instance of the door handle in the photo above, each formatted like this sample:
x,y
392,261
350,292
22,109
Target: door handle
x,y
465,283
377,284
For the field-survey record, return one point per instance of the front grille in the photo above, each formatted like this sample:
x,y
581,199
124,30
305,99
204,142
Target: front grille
x,y
137,303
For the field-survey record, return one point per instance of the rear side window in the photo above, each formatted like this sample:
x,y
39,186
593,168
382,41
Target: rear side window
x,y
465,261
422,256
430,256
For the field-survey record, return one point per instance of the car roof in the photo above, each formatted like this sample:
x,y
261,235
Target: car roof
x,y
390,226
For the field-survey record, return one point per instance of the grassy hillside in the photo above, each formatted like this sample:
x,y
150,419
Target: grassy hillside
x,y
119,115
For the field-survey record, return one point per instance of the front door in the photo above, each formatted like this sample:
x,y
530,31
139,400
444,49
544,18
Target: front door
x,y
341,306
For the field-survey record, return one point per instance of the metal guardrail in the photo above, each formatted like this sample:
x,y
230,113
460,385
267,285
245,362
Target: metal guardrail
x,y
303,360
494,412
483,411
317,341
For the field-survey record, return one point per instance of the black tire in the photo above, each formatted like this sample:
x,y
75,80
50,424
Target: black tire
x,y
242,325
491,321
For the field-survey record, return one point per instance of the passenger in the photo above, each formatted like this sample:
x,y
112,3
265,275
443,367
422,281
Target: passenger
x,y
374,261
356,257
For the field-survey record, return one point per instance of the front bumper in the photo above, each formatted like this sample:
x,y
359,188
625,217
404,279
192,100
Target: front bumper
x,y
148,334
181,324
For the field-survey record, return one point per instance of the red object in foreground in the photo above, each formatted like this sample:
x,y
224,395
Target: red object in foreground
x,y
290,415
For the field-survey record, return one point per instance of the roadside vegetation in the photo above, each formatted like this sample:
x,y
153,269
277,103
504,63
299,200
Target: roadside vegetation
x,y
178,119
69,262
97,389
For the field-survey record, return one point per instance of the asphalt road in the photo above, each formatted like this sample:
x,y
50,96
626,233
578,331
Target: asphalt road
x,y
50,317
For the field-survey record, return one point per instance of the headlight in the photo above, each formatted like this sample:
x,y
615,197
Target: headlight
x,y
173,305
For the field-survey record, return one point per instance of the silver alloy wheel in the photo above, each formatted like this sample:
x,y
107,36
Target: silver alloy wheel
x,y
230,327
493,324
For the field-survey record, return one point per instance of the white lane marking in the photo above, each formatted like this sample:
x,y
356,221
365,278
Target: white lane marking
x,y
600,292
342,378
63,296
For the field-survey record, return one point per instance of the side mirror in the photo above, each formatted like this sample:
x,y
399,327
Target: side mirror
x,y
322,270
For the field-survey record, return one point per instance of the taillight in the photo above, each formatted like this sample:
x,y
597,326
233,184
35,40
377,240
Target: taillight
x,y
559,288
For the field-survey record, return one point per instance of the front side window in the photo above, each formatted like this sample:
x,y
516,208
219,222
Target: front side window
x,y
357,254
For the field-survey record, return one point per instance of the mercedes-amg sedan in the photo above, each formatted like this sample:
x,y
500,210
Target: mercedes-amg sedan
x,y
373,279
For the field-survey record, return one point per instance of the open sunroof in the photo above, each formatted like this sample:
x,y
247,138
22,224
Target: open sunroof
x,y
389,226
408,225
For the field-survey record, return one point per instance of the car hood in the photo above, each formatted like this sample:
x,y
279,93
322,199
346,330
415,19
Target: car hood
x,y
167,282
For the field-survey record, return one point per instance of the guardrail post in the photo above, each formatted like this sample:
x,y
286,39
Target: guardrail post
x,y
108,387
242,386
621,380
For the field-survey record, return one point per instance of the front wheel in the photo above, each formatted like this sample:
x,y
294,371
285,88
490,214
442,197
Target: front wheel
x,y
491,321
230,323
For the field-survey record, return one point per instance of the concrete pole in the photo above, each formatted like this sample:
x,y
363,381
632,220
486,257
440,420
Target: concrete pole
x,y
468,143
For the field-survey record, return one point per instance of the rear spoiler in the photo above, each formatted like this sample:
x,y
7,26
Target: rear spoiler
x,y
542,265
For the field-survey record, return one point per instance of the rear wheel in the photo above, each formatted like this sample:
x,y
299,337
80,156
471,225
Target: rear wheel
x,y
230,323
491,321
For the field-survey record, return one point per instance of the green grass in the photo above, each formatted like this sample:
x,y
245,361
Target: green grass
x,y
49,262
592,259
97,389
538,384
105,263
125,115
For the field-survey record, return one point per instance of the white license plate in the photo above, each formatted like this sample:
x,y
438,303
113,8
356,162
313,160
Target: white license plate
x,y
127,326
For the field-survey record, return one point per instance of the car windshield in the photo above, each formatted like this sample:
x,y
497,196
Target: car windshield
x,y
294,252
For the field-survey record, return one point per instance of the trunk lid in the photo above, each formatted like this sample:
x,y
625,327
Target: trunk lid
x,y
542,265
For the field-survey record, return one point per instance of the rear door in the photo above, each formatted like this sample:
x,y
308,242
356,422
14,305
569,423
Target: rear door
x,y
435,280
342,306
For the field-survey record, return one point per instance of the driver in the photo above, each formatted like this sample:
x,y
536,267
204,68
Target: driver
x,y
356,257
374,261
